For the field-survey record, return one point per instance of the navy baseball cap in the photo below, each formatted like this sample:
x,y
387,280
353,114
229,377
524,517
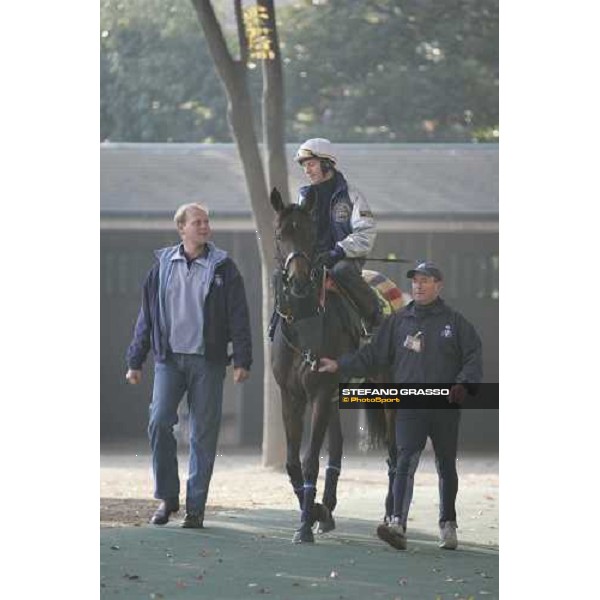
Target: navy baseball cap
x,y
426,268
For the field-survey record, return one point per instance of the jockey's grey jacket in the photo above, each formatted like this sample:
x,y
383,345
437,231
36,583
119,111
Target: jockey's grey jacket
x,y
352,225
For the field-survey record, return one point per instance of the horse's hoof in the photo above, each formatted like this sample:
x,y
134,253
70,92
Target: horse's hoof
x,y
304,535
325,519
327,525
319,512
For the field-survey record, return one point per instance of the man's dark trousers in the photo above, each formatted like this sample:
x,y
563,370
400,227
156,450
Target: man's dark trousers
x,y
413,427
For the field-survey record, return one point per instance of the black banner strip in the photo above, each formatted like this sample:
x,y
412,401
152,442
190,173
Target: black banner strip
x,y
416,395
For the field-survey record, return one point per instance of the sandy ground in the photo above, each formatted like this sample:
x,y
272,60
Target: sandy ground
x,y
240,482
245,549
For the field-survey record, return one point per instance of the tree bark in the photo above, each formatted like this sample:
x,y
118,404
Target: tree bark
x,y
273,111
240,117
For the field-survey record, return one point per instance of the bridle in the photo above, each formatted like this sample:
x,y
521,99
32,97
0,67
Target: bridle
x,y
294,304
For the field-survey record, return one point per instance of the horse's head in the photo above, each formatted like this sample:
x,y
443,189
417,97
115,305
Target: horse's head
x,y
295,240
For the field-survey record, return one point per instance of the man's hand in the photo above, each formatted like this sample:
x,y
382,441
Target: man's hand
x,y
240,374
458,393
328,365
133,376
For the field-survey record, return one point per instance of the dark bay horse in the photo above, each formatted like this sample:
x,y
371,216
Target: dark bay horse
x,y
314,322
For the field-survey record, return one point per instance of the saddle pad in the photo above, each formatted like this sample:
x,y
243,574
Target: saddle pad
x,y
390,295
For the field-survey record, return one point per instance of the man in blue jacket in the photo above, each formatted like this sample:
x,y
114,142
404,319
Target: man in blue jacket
x,y
193,305
425,342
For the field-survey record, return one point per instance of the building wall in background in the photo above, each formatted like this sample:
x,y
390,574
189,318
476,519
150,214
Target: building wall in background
x,y
469,261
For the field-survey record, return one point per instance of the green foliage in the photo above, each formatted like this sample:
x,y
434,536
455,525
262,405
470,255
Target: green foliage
x,y
392,70
158,83
356,71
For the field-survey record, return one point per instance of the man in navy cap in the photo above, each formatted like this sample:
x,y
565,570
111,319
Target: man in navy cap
x,y
425,342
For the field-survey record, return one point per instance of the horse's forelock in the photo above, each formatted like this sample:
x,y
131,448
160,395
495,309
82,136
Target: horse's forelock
x,y
286,213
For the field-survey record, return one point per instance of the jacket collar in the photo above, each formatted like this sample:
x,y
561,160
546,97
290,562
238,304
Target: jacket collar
x,y
437,307
341,187
215,255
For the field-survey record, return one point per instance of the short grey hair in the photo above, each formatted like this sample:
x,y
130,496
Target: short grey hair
x,y
181,213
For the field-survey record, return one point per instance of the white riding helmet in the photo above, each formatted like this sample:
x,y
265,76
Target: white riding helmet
x,y
316,148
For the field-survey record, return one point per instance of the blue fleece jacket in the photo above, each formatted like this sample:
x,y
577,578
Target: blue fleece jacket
x,y
226,316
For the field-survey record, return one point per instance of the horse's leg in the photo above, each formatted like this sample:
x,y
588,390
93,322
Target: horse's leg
x,y
310,466
332,471
293,413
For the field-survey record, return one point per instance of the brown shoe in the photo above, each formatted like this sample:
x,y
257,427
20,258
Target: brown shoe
x,y
393,534
193,521
164,510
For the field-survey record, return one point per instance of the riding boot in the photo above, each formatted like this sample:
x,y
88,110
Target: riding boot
x,y
273,325
329,493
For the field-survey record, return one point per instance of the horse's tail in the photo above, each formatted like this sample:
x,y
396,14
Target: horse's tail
x,y
376,434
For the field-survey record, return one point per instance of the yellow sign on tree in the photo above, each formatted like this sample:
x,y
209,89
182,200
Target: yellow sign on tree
x,y
258,33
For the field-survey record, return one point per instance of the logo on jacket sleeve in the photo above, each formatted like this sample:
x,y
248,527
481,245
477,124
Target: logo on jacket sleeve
x,y
218,280
341,212
447,331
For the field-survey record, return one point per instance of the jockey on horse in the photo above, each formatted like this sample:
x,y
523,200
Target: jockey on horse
x,y
345,226
332,228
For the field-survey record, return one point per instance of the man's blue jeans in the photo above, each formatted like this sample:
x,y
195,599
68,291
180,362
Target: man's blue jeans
x,y
203,382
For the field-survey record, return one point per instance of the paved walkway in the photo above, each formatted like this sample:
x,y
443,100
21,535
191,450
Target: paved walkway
x,y
245,550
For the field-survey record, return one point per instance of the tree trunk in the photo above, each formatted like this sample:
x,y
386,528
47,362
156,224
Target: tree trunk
x,y
273,120
233,77
273,111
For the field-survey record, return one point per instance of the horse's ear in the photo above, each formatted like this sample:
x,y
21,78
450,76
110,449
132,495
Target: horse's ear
x,y
309,199
276,200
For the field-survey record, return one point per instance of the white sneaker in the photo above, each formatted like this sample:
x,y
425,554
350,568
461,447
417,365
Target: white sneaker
x,y
448,539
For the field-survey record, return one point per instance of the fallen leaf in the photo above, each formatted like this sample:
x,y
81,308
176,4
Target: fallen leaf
x,y
253,585
115,547
333,575
403,581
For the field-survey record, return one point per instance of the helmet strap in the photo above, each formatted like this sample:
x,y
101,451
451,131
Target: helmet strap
x,y
326,166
